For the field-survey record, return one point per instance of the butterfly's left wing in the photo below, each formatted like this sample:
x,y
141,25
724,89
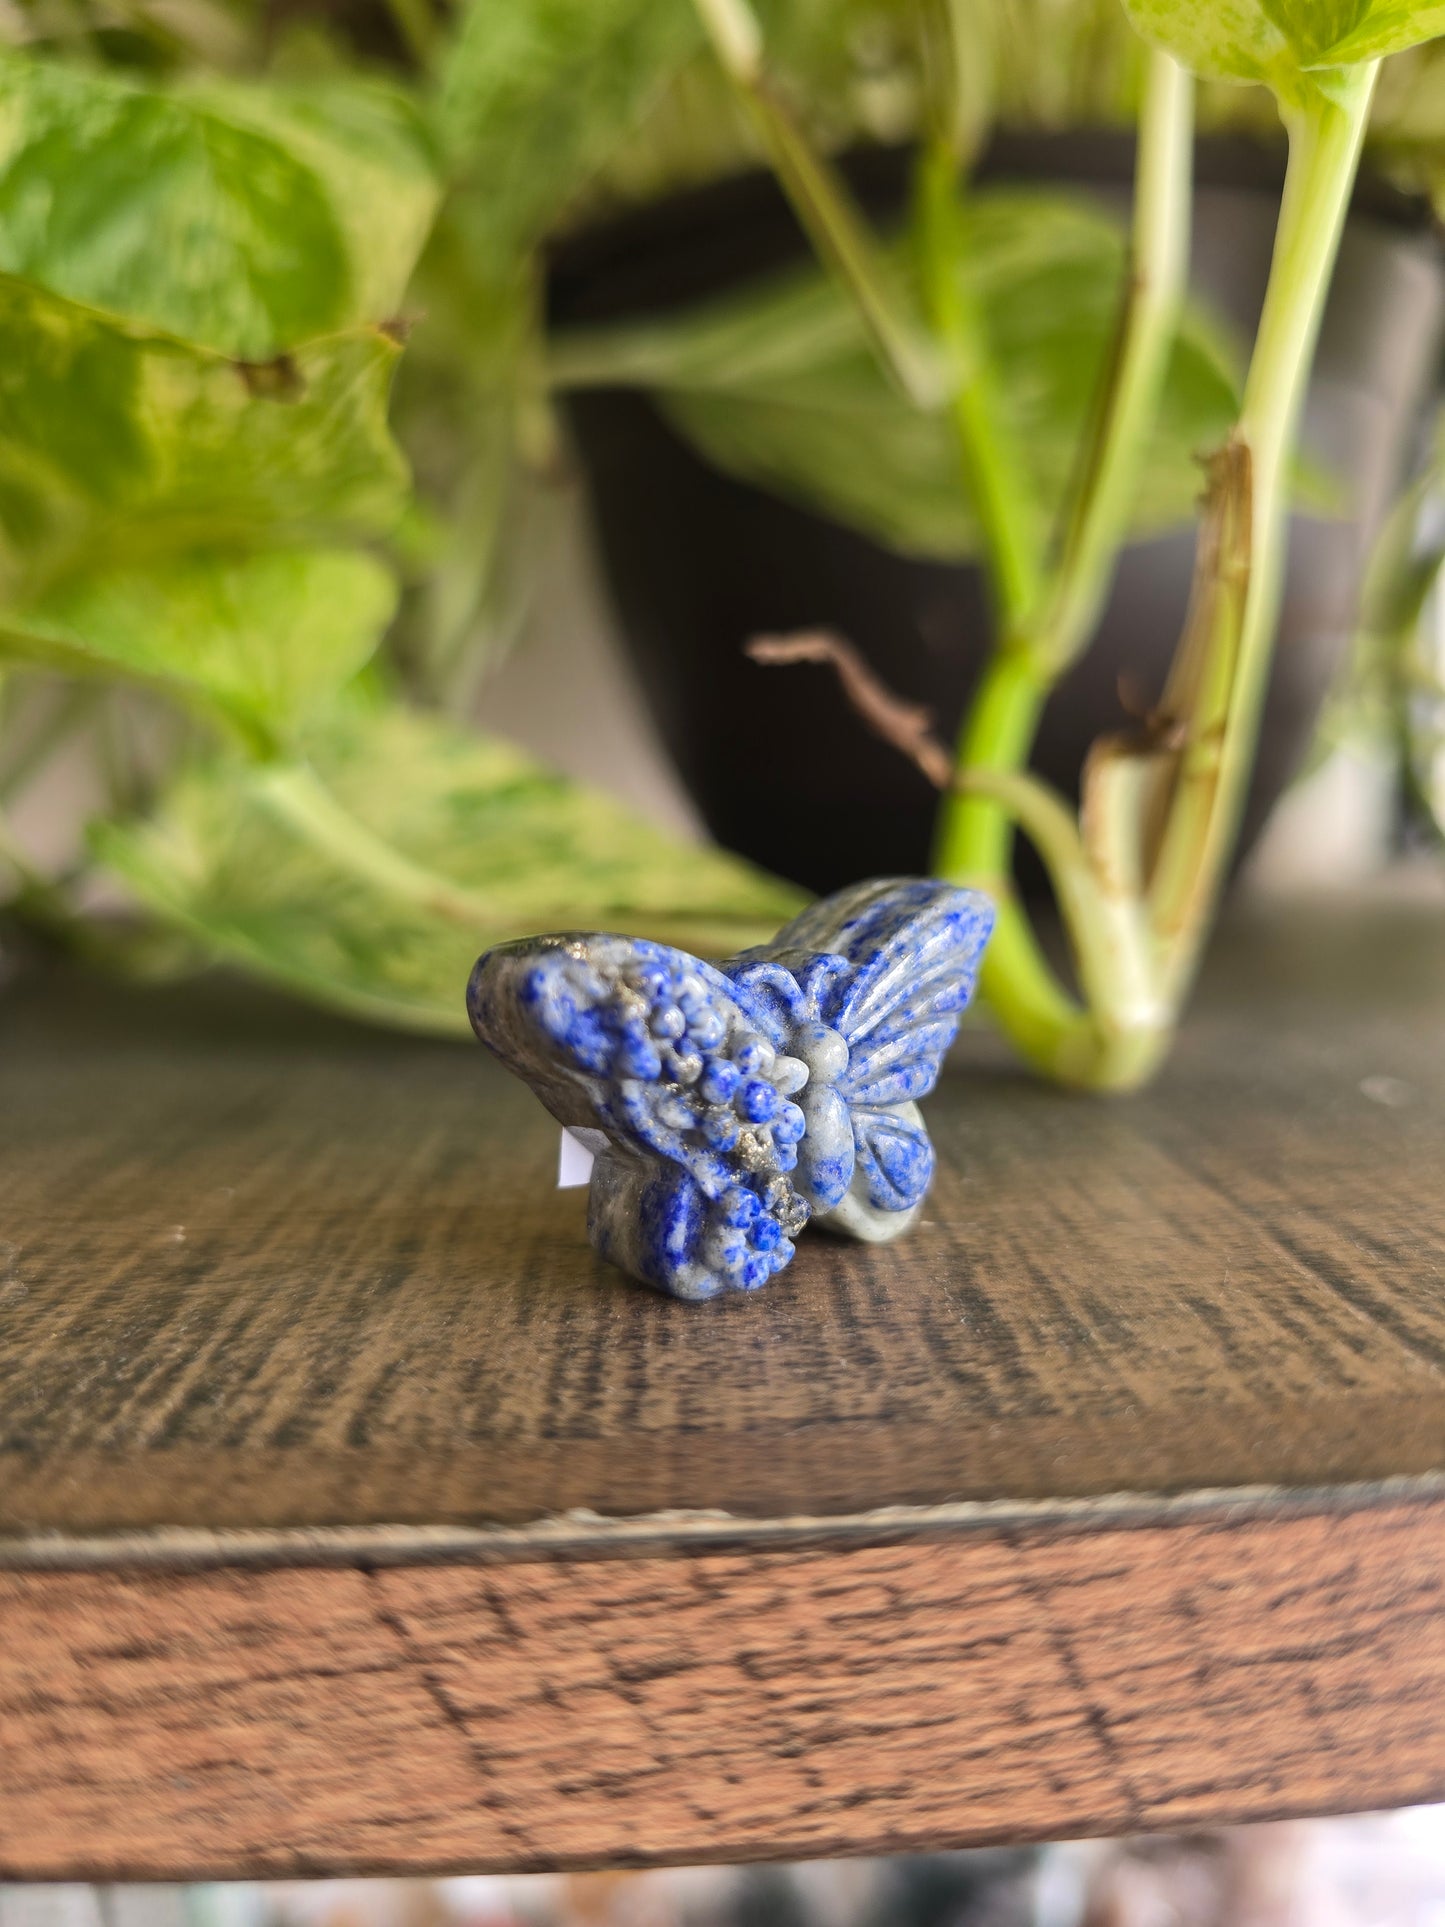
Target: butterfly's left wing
x,y
904,956
659,1055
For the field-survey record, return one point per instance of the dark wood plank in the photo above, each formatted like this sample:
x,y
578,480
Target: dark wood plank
x,y
940,1688
258,1269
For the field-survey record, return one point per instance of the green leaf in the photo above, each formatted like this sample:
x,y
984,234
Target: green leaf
x,y
242,219
261,638
537,92
1274,40
1388,28
1312,27
118,446
529,851
781,387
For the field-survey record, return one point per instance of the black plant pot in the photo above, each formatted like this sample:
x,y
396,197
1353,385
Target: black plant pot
x,y
699,562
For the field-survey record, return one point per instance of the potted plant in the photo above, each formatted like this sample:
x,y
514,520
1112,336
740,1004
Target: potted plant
x,y
1007,487
213,234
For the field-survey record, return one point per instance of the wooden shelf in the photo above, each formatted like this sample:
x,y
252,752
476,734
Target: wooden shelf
x,y
352,1517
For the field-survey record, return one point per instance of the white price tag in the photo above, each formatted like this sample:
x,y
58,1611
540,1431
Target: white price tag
x,y
574,1163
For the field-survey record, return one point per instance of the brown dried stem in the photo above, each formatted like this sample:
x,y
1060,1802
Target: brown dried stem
x,y
906,726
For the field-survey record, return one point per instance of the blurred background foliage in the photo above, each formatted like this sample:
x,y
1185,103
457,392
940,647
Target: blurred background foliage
x,y
279,454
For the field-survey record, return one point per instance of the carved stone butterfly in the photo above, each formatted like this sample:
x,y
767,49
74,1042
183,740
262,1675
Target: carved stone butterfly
x,y
728,1104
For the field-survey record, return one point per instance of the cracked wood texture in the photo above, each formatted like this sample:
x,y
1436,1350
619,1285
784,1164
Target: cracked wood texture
x,y
263,1273
952,1688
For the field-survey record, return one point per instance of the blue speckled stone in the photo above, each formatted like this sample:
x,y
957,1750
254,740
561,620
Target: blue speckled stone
x,y
730,1105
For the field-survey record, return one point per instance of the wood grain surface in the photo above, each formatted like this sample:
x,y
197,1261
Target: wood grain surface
x,y
353,1518
939,1689
261,1269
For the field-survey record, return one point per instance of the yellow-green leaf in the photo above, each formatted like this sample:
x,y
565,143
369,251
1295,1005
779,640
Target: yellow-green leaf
x,y
244,219
260,638
535,94
119,445
1275,40
511,849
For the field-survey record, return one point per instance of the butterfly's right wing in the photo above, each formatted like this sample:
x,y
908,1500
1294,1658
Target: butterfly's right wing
x,y
656,1051
899,962
911,947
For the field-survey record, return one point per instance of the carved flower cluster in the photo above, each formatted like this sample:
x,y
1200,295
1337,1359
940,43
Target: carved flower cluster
x,y
729,1080
744,1240
716,1082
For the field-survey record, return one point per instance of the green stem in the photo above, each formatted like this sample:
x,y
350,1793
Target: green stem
x,y
993,472
1017,981
955,62
975,835
1115,1039
975,832
1097,518
1022,991
1326,132
1052,826
822,203
1030,659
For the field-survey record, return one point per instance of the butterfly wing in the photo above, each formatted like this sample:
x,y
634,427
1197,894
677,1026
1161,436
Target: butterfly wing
x,y
890,966
912,948
894,1157
662,1055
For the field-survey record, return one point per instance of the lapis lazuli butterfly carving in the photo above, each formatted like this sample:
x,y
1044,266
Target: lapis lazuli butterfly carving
x,y
729,1104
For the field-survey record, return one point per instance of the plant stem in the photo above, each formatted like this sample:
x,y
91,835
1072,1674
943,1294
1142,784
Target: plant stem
x,y
1326,132
823,204
958,57
1098,515
1107,951
975,832
976,837
994,475
1025,997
